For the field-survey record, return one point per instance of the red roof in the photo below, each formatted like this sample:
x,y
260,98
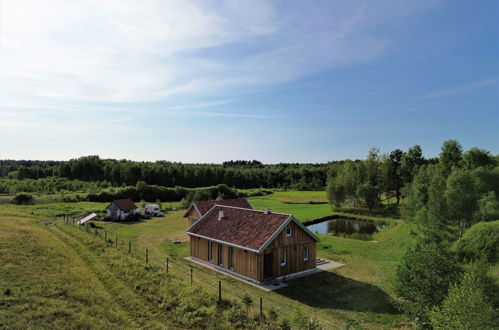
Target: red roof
x,y
204,206
125,205
246,228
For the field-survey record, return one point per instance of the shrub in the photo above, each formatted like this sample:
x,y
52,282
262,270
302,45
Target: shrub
x,y
22,199
424,277
466,305
481,241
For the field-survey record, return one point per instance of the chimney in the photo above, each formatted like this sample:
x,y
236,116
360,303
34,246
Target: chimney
x,y
267,211
220,215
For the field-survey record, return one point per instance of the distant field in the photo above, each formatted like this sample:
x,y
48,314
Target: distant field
x,y
358,295
295,202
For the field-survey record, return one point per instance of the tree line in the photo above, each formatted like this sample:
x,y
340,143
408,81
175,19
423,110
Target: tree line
x,y
238,174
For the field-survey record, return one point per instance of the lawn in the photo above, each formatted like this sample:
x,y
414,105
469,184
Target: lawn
x,y
358,295
296,203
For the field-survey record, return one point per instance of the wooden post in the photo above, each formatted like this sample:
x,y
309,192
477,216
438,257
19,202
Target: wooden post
x,y
261,309
191,275
129,246
219,291
147,256
116,242
167,262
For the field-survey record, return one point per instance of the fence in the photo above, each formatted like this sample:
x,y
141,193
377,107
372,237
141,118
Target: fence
x,y
177,267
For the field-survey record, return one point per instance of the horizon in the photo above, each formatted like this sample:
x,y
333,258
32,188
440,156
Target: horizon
x,y
281,82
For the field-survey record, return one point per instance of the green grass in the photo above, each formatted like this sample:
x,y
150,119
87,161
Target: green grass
x,y
358,295
294,202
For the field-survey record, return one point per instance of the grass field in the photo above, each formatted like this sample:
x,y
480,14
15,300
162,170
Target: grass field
x,y
358,295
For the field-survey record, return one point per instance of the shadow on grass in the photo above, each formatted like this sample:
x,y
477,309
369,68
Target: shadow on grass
x,y
330,290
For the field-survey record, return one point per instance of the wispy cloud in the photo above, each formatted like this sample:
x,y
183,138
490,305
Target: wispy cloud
x,y
122,51
460,89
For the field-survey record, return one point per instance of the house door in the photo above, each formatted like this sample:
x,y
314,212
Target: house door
x,y
268,265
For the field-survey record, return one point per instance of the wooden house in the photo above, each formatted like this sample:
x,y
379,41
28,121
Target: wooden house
x,y
199,208
121,209
256,245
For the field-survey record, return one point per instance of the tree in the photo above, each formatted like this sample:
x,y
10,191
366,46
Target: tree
x,y
433,218
462,198
418,195
412,160
476,157
450,155
488,207
391,169
466,306
424,277
369,194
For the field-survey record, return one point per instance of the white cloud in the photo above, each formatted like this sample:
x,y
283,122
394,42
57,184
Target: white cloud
x,y
138,51
460,89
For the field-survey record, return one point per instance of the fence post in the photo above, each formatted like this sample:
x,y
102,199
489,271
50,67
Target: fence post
x,y
261,309
167,262
129,246
191,275
147,256
116,242
219,291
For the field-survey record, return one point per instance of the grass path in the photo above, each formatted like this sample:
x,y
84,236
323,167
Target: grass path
x,y
47,284
136,308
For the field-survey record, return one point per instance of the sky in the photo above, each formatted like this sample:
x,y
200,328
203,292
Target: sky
x,y
277,81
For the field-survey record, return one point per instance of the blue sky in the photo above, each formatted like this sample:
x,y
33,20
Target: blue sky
x,y
277,81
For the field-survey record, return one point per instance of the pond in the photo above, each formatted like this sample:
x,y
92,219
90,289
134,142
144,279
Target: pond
x,y
346,227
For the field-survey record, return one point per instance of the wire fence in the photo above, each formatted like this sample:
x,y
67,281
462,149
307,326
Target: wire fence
x,y
192,274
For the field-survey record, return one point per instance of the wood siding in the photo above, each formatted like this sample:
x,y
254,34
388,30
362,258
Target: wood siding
x,y
192,215
294,248
245,262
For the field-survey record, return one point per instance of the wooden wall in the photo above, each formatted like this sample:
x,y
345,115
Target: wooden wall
x,y
192,216
251,264
245,262
294,247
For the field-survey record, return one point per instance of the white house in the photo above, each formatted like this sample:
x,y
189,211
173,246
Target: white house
x,y
121,209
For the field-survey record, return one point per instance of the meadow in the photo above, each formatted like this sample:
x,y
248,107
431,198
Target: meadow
x,y
358,295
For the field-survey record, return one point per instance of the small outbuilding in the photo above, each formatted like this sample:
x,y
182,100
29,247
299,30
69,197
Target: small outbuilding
x,y
258,246
121,209
200,208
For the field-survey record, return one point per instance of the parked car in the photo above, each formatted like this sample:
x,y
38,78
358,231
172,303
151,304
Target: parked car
x,y
154,210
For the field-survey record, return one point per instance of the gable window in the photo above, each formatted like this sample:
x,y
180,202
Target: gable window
x,y
231,258
210,251
289,232
305,253
283,257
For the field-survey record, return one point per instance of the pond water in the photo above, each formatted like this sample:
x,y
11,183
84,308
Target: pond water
x,y
346,227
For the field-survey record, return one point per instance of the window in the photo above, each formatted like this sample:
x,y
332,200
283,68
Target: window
x,y
231,258
305,253
289,231
210,251
220,256
283,256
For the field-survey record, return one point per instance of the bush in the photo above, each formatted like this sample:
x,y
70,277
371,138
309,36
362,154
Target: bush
x,y
481,241
424,277
466,306
22,199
